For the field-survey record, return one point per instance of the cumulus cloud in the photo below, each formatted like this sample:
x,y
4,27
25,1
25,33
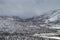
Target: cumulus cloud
x,y
27,8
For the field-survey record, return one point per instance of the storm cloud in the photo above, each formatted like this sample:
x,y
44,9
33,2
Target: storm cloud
x,y
27,8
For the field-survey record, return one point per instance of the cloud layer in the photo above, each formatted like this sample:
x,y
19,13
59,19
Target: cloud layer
x,y
27,8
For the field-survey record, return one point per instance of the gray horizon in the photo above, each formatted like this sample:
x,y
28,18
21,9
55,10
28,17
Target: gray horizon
x,y
27,8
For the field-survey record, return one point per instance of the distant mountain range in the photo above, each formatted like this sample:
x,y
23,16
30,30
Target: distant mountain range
x,y
13,24
51,16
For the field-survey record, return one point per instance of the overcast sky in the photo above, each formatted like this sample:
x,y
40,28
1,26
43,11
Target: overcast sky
x,y
27,8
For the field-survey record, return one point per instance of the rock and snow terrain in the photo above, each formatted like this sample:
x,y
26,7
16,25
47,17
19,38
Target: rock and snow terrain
x,y
50,15
12,25
31,26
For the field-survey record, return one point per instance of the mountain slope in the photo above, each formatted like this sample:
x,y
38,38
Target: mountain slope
x,y
10,25
50,15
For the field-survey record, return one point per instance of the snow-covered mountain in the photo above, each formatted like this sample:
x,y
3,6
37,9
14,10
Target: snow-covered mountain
x,y
52,15
30,26
13,25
